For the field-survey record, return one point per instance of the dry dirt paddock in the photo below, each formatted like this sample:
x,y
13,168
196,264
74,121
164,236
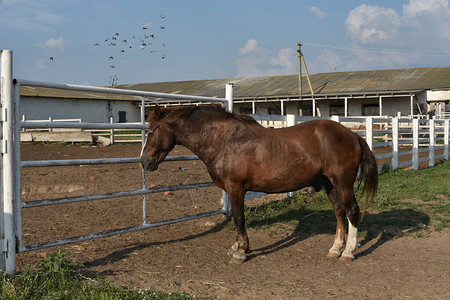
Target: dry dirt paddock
x,y
191,256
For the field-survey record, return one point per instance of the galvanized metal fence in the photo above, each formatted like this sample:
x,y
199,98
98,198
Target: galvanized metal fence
x,y
11,164
404,141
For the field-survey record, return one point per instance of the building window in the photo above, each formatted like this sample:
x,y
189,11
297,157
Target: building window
x,y
245,110
122,116
337,110
274,110
371,109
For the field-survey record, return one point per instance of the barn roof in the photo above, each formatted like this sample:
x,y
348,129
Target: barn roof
x,y
336,83
355,82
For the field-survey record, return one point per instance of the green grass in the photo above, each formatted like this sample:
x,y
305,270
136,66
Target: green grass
x,y
57,277
407,202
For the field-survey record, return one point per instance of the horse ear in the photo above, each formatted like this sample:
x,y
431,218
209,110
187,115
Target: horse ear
x,y
157,112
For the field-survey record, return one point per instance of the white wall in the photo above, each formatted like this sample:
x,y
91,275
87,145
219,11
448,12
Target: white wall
x,y
96,111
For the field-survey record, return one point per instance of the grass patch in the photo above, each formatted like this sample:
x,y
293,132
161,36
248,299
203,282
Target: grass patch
x,y
408,201
57,277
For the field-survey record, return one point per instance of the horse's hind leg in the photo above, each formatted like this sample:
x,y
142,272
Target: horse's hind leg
x,y
241,246
352,213
339,211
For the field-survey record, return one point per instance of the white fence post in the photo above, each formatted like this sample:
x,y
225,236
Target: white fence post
x,y
7,236
111,135
369,132
395,143
229,96
226,205
336,119
446,137
290,120
432,143
415,150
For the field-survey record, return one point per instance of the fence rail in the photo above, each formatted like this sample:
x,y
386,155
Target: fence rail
x,y
402,137
11,164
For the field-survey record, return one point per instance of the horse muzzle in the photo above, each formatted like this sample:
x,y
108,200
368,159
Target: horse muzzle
x,y
148,164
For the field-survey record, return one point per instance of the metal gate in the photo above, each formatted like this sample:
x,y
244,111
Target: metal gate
x,y
11,164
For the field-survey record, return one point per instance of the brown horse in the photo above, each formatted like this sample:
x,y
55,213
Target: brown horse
x,y
242,156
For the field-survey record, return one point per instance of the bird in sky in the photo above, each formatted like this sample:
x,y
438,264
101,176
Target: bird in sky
x,y
162,17
51,58
111,57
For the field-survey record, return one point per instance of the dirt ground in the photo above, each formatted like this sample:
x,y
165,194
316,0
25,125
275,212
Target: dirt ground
x,y
191,256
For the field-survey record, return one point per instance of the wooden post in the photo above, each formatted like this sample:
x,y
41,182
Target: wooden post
x,y
395,143
369,132
446,137
432,143
415,150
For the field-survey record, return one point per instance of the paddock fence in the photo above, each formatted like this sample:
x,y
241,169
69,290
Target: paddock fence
x,y
12,124
397,142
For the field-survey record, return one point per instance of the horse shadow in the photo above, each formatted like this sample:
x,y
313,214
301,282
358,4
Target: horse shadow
x,y
375,229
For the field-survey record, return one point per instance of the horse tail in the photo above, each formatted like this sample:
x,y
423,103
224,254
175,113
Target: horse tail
x,y
368,174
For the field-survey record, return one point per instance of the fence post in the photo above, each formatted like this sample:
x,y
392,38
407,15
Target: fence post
x,y
369,132
415,150
226,205
50,119
431,143
446,138
395,143
229,97
7,236
336,119
290,120
111,137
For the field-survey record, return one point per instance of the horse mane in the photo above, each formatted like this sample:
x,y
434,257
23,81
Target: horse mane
x,y
213,111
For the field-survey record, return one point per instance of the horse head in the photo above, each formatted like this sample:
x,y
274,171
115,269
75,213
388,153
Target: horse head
x,y
160,141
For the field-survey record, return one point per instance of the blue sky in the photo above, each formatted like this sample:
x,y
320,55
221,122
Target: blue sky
x,y
208,39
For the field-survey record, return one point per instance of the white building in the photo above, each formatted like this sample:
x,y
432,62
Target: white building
x,y
417,91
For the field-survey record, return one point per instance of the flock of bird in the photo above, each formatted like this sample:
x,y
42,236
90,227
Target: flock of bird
x,y
146,42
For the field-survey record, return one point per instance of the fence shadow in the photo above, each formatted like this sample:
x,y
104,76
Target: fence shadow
x,y
377,228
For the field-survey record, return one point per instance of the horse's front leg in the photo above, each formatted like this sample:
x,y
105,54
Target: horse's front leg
x,y
240,248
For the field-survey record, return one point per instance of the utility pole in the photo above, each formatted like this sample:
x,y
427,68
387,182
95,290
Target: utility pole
x,y
299,50
301,59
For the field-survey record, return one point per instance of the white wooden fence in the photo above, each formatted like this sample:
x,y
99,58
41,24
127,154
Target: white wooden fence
x,y
396,142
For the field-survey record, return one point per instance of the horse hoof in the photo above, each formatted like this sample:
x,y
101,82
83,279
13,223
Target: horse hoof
x,y
333,255
236,261
346,258
238,257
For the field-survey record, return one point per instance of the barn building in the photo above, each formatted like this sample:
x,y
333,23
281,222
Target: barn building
x,y
407,92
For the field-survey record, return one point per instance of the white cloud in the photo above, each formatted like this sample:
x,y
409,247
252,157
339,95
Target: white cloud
x,y
415,36
53,43
317,11
254,60
34,15
40,65
250,46
328,61
371,24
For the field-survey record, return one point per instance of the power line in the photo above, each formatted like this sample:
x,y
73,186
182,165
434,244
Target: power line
x,y
382,51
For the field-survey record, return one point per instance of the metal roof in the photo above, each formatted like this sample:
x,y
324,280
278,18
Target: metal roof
x,y
355,82
326,84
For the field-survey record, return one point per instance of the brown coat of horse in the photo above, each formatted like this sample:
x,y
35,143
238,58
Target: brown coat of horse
x,y
242,156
